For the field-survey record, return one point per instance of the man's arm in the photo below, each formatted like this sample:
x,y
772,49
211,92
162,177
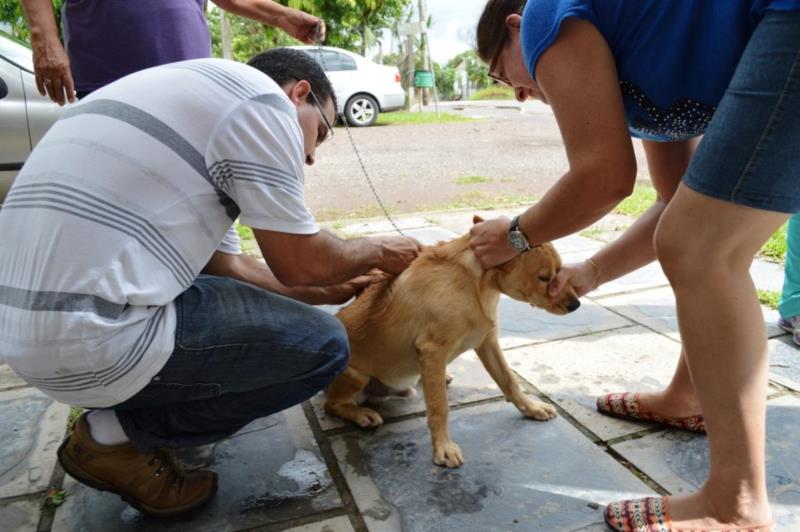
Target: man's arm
x,y
256,272
50,61
296,23
322,259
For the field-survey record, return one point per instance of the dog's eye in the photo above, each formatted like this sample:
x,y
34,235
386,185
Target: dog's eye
x,y
545,279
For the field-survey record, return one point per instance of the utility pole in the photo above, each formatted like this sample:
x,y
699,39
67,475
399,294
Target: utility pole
x,y
426,64
410,68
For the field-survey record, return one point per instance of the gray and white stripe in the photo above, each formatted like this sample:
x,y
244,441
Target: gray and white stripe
x,y
70,200
51,301
105,377
223,171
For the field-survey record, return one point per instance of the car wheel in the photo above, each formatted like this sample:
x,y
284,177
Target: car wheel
x,y
361,110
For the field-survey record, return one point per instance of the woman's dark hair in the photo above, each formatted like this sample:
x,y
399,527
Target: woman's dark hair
x,y
492,25
285,65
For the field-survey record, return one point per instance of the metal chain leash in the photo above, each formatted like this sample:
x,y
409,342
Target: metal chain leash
x,y
318,39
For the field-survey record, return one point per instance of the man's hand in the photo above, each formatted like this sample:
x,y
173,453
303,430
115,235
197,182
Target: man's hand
x,y
51,65
397,252
303,26
582,276
338,293
489,241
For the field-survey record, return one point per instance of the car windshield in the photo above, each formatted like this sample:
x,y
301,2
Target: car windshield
x,y
16,52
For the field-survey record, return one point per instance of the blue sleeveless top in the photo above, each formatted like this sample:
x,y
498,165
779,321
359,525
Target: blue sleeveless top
x,y
674,58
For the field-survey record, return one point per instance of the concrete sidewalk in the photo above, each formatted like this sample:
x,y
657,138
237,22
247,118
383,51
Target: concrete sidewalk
x,y
302,471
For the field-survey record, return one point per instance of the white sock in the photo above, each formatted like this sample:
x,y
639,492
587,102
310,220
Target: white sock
x,y
105,428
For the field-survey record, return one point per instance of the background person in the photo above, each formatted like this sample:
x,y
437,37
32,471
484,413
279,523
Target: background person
x,y
108,39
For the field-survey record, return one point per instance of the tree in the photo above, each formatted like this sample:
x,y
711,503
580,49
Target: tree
x,y
11,13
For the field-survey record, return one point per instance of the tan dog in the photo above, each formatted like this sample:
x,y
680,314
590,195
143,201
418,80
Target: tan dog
x,y
412,326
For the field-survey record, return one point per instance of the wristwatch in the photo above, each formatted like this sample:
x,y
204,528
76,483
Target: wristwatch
x,y
515,237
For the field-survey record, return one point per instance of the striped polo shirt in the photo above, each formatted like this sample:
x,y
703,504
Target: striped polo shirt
x,y
122,204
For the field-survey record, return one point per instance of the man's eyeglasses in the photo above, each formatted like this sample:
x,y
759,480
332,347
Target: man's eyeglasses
x,y
329,132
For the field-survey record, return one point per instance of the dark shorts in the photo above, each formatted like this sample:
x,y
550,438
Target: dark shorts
x,y
750,154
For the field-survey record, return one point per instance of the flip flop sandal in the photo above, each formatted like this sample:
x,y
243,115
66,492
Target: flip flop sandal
x,y
626,406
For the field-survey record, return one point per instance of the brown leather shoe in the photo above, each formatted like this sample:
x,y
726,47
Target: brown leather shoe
x,y
153,483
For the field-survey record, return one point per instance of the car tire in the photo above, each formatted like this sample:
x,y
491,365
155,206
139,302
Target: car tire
x,y
361,110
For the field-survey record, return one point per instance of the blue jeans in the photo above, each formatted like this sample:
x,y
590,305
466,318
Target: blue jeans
x,y
241,353
749,153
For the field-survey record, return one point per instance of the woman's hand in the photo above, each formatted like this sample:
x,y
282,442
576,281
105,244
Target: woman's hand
x,y
489,241
582,276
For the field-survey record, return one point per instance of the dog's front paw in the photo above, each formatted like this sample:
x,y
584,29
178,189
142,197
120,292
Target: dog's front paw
x,y
366,417
536,409
448,454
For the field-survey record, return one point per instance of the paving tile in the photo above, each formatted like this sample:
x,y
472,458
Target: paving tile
x,y
270,471
767,275
576,244
679,461
656,309
367,227
20,515
784,362
32,426
470,383
338,524
519,475
431,235
522,324
9,379
573,372
459,222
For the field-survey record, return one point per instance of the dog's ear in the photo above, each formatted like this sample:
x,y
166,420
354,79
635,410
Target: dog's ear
x,y
476,219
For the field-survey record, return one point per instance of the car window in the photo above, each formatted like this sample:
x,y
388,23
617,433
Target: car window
x,y
330,61
347,62
16,52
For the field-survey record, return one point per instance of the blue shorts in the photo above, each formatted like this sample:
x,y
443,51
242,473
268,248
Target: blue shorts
x,y
750,154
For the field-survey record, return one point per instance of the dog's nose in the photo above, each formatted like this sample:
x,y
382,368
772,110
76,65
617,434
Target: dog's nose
x,y
573,305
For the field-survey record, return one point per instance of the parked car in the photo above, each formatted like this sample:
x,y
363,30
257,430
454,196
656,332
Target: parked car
x,y
25,115
363,89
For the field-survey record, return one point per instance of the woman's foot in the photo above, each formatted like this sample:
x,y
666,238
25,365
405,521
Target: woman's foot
x,y
668,409
687,513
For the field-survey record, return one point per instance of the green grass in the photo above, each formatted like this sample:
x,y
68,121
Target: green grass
x,y
495,92
775,248
74,413
411,117
245,233
637,203
769,298
472,180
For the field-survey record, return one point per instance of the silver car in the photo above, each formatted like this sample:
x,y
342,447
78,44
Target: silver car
x,y
25,115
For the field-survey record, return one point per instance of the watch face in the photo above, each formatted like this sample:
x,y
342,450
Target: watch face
x,y
517,240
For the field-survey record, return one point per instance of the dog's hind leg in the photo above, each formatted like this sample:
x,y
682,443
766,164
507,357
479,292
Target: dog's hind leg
x,y
433,359
341,399
495,363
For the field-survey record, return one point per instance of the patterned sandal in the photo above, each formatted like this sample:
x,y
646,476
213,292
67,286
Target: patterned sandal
x,y
626,406
651,514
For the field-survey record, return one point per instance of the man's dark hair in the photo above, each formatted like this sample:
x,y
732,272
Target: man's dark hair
x,y
285,65
492,25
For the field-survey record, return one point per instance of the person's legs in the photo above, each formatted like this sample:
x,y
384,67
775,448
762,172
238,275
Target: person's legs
x,y
742,184
706,247
241,353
